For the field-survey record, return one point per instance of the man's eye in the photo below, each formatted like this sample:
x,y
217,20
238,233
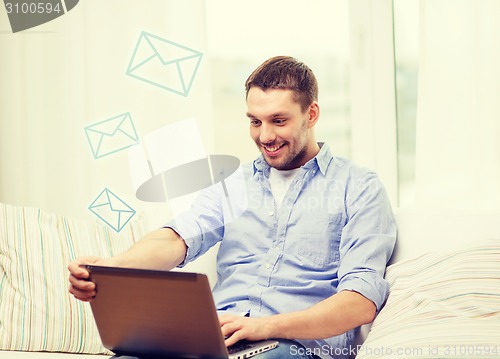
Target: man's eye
x,y
279,121
255,122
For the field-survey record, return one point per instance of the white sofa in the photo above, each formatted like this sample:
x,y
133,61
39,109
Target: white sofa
x,y
445,288
421,316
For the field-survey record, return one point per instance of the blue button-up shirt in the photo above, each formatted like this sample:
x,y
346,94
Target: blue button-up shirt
x,y
333,231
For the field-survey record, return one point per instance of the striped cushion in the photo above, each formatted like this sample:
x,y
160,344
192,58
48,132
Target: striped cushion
x,y
36,311
441,305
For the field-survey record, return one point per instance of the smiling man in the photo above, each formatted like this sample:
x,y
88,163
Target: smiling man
x,y
305,260
281,128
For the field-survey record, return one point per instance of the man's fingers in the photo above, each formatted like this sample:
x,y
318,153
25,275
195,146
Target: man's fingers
x,y
227,318
76,269
82,294
80,287
80,284
232,333
233,339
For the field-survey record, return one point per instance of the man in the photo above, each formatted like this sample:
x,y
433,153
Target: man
x,y
306,256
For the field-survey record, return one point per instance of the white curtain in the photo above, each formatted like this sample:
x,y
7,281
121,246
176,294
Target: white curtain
x,y
69,73
458,114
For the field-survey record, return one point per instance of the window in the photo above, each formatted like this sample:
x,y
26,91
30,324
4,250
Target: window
x,y
257,30
406,62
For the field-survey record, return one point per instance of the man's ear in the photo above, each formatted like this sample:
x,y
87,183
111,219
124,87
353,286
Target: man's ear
x,y
313,112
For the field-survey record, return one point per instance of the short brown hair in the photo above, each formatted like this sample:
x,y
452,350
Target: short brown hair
x,y
285,72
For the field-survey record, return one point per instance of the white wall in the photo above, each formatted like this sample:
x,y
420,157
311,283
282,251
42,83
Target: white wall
x,y
69,73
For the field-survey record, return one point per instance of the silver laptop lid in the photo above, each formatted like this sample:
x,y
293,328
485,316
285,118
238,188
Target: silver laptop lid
x,y
156,313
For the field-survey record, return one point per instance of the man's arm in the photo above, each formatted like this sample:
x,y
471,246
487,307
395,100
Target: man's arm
x,y
333,316
161,249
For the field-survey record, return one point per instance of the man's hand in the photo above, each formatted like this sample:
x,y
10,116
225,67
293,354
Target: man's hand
x,y
333,316
235,328
80,286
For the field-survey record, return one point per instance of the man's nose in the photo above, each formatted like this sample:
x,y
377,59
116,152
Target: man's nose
x,y
267,134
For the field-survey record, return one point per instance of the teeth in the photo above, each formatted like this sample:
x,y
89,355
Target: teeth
x,y
272,149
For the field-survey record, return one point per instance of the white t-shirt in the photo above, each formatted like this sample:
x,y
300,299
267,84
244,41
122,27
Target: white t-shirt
x,y
280,181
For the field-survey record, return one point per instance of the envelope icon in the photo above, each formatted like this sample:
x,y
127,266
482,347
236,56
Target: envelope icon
x,y
163,63
112,210
111,135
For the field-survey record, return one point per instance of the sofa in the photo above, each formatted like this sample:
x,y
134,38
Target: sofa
x,y
444,277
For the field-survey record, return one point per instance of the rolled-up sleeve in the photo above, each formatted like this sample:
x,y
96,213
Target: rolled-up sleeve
x,y
367,240
202,226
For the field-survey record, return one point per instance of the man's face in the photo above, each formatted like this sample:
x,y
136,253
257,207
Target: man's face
x,y
280,128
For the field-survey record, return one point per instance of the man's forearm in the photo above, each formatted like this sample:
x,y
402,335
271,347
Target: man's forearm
x,y
162,249
333,316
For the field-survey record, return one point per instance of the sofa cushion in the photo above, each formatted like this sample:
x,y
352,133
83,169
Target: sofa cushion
x,y
37,313
441,304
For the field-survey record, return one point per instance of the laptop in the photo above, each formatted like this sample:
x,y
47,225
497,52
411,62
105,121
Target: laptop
x,y
151,314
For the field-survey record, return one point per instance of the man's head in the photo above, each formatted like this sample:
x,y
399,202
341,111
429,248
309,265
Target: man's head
x,y
282,108
287,73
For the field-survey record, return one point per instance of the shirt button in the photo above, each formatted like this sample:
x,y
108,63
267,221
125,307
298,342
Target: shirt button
x,y
268,265
271,213
277,248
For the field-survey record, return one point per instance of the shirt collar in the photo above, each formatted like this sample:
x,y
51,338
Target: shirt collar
x,y
321,160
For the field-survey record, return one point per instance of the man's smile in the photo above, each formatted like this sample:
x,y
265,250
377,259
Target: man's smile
x,y
273,150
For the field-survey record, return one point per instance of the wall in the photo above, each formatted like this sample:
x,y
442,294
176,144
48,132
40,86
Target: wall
x,y
70,73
